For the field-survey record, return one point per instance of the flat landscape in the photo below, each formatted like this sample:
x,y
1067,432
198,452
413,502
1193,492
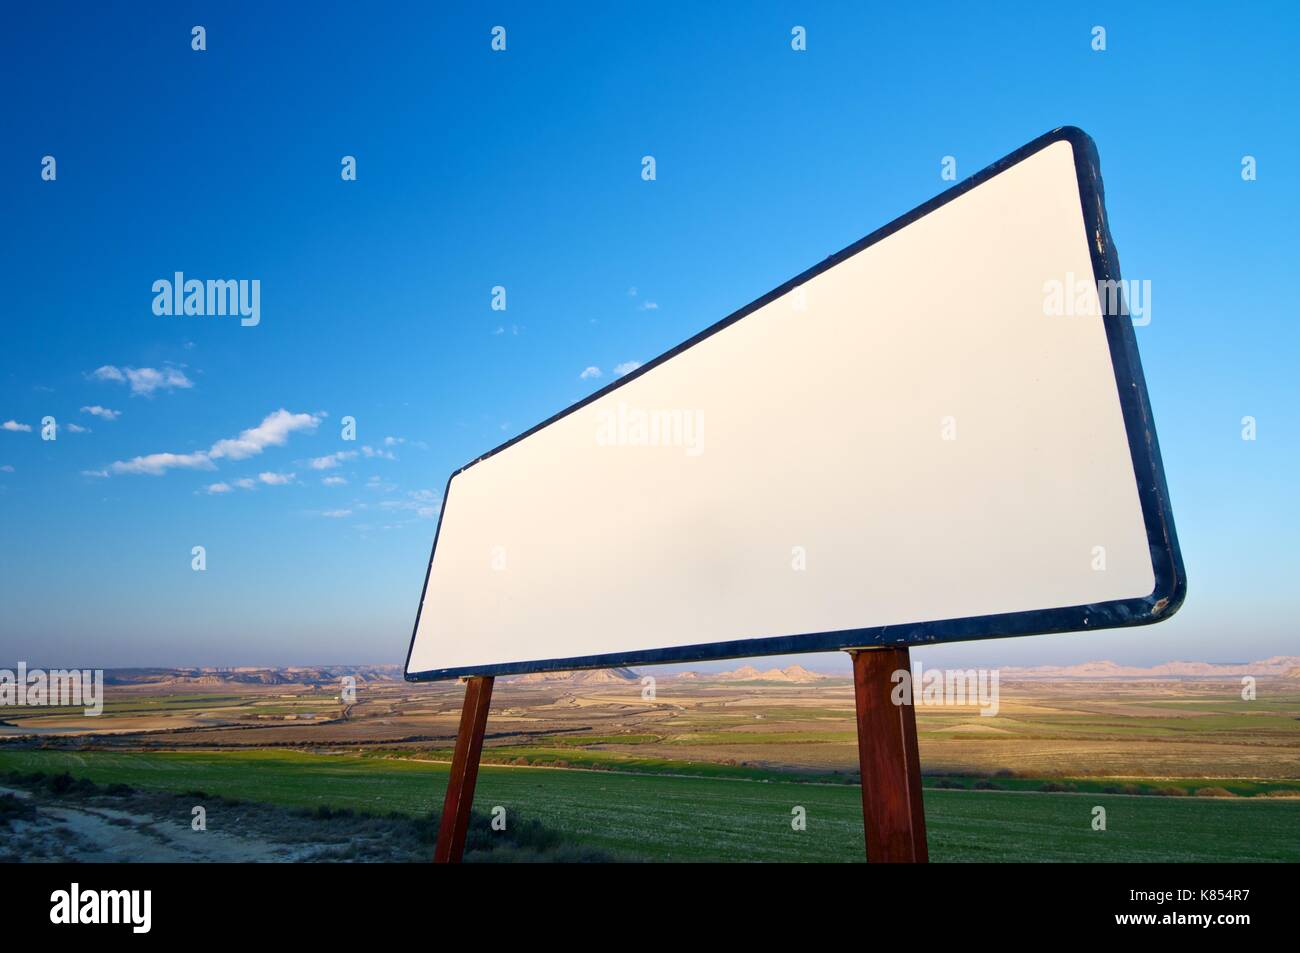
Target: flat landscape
x,y
712,767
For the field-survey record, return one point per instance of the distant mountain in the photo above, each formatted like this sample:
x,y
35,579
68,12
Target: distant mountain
x,y
795,674
1278,666
594,676
247,675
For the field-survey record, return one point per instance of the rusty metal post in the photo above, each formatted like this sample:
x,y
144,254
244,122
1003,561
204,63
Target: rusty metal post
x,y
893,814
464,771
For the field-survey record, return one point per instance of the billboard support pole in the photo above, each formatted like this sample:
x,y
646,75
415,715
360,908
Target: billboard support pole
x,y
893,815
464,771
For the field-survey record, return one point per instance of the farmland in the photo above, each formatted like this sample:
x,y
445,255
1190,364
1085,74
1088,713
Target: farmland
x,y
715,769
666,817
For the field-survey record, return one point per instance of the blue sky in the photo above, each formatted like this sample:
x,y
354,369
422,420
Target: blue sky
x,y
522,169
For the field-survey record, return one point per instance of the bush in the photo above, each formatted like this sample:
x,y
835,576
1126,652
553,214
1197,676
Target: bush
x,y
326,813
14,808
1214,792
65,783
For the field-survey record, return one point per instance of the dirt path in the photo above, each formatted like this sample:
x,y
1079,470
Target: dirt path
x,y
93,833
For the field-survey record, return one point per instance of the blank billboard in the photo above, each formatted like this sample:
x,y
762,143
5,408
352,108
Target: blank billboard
x,y
940,433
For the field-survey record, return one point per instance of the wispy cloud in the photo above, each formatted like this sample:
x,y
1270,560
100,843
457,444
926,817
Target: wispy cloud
x,y
76,428
16,427
144,381
336,514
156,464
330,461
273,431
424,503
103,412
627,367
334,481
276,479
649,306
589,373
371,452
243,483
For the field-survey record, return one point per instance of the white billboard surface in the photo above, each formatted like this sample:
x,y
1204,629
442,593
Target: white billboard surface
x,y
919,441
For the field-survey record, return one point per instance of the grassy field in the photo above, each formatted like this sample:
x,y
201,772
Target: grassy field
x,y
666,817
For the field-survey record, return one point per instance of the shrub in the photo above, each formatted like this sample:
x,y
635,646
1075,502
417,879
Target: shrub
x,y
13,808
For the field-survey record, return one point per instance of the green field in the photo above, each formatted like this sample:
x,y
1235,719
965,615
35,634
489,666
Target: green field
x,y
666,817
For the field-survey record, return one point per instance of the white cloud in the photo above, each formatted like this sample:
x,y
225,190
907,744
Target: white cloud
x,y
650,306
214,488
589,372
245,483
273,431
631,292
96,411
330,461
336,514
276,479
334,481
424,503
76,428
627,367
16,427
370,452
156,464
144,380
394,441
